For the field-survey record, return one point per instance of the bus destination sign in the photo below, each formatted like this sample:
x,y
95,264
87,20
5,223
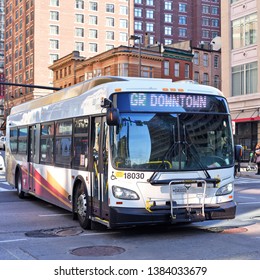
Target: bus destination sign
x,y
164,102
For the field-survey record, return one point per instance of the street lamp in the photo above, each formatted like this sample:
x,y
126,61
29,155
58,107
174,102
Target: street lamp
x,y
135,37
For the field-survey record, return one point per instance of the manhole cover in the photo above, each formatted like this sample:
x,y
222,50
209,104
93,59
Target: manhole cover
x,y
97,251
56,232
227,229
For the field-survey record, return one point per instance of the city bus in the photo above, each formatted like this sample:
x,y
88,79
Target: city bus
x,y
126,151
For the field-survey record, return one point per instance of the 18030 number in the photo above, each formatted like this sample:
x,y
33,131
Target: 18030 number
x,y
177,270
135,175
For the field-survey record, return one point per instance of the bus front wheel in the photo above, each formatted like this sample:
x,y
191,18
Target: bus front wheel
x,y
19,185
82,206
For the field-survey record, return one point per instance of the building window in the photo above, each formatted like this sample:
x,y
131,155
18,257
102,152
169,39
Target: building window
x,y
167,41
182,32
54,44
110,8
196,77
123,69
149,27
182,8
123,23
138,12
147,71
93,20
93,47
123,36
123,10
216,61
205,79
177,69
214,10
79,32
196,58
149,2
79,18
215,22
54,29
205,60
216,81
93,6
93,33
168,18
54,15
110,35
79,4
167,30
205,33
110,21
244,31
53,57
149,14
79,46
166,67
109,47
52,3
205,21
138,25
244,79
183,20
168,5
187,71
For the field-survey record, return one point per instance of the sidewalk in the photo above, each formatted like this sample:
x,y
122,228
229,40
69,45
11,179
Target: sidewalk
x,y
247,174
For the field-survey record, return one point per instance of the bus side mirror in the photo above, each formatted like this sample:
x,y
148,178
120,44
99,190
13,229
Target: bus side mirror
x,y
113,116
238,153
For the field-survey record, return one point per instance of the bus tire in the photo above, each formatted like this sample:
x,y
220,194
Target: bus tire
x,y
82,206
19,185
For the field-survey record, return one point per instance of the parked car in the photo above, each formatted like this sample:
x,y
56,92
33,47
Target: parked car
x,y
2,142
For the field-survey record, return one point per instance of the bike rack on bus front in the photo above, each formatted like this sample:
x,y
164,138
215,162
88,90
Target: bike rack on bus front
x,y
183,186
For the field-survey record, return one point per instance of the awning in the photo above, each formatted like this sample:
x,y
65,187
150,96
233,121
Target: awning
x,y
246,115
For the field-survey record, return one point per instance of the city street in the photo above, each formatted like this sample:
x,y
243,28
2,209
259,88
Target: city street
x,y
31,229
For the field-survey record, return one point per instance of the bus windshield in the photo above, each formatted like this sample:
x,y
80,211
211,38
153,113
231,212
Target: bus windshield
x,y
181,141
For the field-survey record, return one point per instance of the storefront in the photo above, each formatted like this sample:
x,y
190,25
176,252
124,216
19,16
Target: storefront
x,y
246,130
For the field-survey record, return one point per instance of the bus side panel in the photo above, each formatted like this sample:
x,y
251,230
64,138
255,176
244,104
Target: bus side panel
x,y
49,185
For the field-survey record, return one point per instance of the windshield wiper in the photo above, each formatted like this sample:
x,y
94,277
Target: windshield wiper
x,y
171,148
197,158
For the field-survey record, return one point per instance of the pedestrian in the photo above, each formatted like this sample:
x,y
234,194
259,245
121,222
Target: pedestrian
x,y
257,158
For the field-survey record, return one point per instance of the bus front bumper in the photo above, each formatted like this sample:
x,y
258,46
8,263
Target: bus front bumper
x,y
122,217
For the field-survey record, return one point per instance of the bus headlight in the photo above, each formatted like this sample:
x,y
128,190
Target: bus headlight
x,y
227,189
123,193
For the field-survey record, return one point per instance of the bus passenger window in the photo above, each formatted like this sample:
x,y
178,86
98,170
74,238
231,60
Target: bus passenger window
x,y
46,144
80,143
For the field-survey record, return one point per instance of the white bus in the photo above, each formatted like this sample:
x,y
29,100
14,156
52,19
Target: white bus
x,y
126,151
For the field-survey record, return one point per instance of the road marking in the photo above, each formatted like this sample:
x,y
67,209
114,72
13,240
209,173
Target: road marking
x,y
14,240
244,203
53,215
246,197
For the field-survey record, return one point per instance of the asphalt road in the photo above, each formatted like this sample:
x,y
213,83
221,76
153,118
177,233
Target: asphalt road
x,y
31,229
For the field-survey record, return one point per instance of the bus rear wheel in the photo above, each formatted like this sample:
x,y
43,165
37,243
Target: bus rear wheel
x,y
82,207
19,185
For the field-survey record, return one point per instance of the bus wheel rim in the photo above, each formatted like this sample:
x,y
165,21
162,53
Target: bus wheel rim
x,y
82,206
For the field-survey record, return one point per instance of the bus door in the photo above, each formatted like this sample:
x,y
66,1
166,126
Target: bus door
x,y
99,170
32,156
